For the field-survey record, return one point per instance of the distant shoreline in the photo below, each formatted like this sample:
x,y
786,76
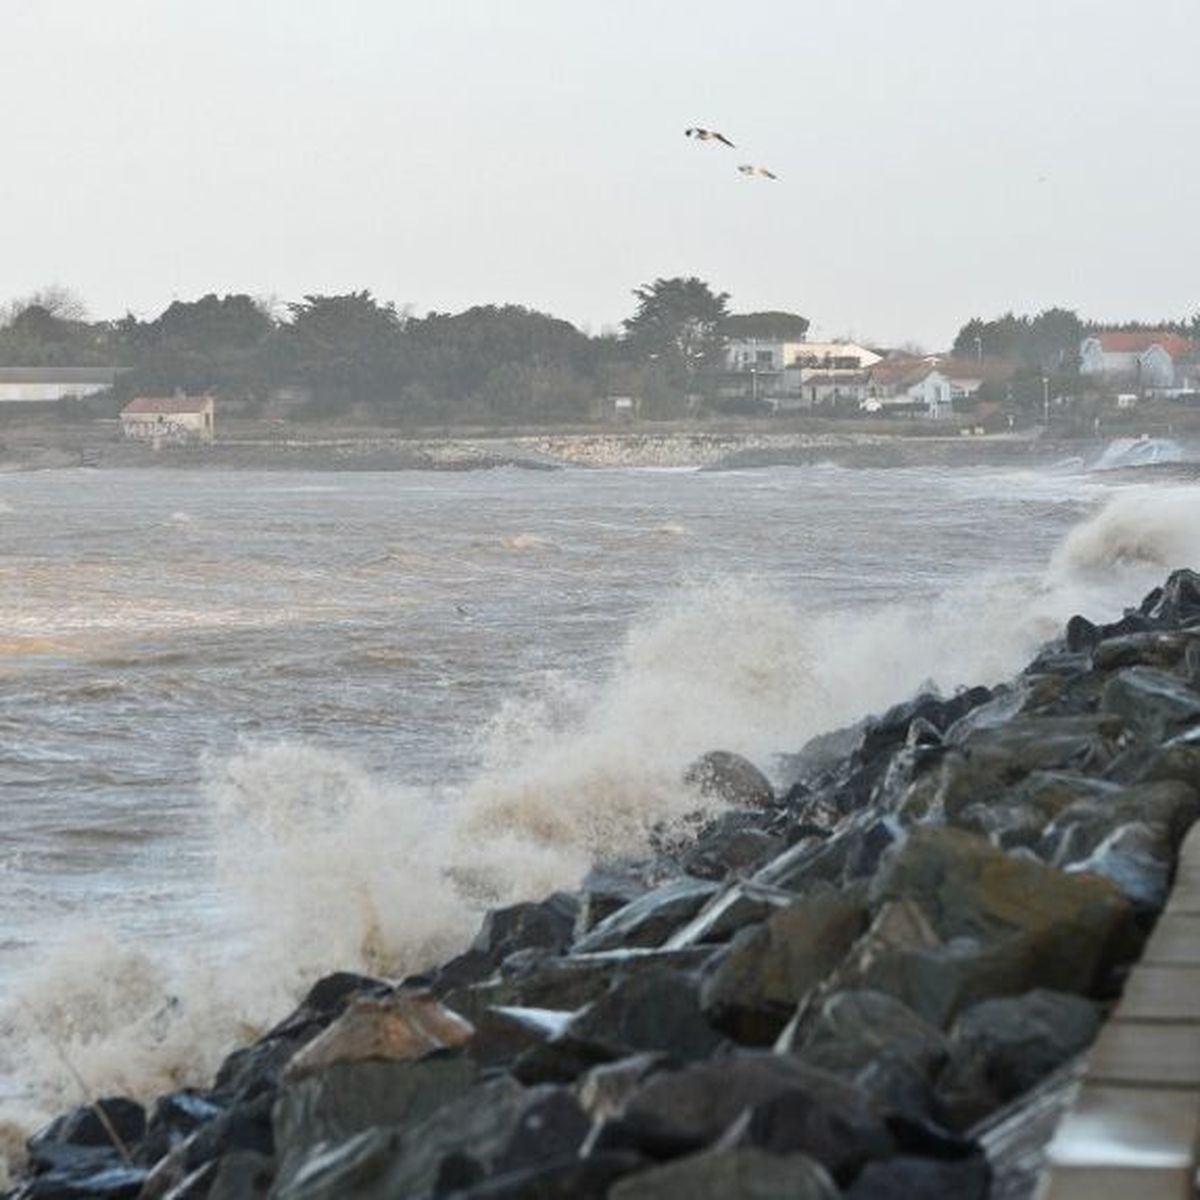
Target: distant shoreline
x,y
352,450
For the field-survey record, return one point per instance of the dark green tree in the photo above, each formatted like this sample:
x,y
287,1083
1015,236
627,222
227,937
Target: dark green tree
x,y
783,326
506,363
348,349
1046,343
50,329
678,325
216,344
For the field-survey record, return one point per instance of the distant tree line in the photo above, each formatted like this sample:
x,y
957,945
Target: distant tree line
x,y
353,356
1043,350
1049,342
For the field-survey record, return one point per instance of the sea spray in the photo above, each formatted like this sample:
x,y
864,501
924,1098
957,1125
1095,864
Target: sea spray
x,y
1139,531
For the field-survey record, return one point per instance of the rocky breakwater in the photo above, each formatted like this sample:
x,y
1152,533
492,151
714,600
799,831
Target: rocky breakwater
x,y
841,987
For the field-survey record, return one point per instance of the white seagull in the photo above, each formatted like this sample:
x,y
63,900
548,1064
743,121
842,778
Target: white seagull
x,y
707,135
750,169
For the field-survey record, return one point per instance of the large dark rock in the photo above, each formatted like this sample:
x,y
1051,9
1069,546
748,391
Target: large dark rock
x,y
548,925
1067,930
732,843
570,1178
567,983
818,760
602,892
495,1128
604,1091
113,1123
841,1135
655,1010
173,1119
1001,1048
1004,823
1140,650
502,1035
328,998
1081,634
698,1103
347,1098
742,1173
84,1180
1137,858
244,1125
1157,706
879,1044
902,955
1178,759
753,988
730,778
739,904
649,920
242,1175
1177,602
893,729
1168,808
852,850
1004,753
907,1177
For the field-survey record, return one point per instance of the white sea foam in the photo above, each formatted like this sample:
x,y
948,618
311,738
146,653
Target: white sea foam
x,y
321,866
1157,528
526,541
1139,452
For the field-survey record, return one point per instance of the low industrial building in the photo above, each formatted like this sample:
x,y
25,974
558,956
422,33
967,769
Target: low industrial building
x,y
46,385
169,418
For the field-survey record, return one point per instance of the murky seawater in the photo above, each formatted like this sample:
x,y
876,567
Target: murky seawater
x,y
227,698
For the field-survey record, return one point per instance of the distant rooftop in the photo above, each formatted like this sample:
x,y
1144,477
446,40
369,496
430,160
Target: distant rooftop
x,y
166,404
104,375
1116,342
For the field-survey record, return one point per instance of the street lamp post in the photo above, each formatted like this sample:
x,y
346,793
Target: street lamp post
x,y
1045,402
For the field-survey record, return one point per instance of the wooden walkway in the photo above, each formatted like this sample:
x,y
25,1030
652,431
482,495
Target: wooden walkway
x,y
1133,1128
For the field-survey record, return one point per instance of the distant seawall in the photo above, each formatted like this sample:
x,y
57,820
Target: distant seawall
x,y
711,450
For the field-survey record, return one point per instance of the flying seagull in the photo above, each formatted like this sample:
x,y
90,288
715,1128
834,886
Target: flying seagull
x,y
750,169
707,135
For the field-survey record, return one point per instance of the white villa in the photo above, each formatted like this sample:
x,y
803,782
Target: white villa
x,y
792,374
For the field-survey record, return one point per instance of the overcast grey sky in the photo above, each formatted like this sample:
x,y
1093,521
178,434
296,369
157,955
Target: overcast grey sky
x,y
937,158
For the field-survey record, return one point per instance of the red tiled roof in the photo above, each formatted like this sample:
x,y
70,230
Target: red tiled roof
x,y
971,368
1114,342
166,404
900,370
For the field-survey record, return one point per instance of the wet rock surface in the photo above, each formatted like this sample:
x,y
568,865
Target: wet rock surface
x,y
857,972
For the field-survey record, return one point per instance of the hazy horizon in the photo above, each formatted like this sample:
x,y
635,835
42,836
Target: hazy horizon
x,y
936,161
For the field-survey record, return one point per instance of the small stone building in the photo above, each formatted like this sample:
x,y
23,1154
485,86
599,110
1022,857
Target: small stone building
x,y
169,418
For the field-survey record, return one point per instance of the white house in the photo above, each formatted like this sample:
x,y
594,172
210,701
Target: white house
x,y
169,418
913,383
826,387
1151,360
778,370
44,385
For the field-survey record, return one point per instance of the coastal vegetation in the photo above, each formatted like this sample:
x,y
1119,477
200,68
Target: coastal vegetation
x,y
355,357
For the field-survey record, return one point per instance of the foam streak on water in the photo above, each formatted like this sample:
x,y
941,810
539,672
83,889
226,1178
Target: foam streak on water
x,y
288,730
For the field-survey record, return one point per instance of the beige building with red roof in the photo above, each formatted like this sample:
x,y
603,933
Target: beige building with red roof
x,y
169,418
